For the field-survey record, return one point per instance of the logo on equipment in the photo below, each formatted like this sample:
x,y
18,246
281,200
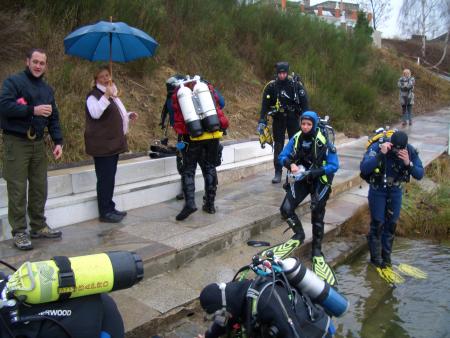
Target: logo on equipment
x,y
56,313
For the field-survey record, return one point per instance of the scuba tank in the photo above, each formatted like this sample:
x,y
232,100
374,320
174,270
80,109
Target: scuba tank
x,y
210,120
187,107
62,277
319,291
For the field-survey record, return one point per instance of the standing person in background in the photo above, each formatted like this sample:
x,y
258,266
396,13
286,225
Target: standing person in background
x,y
27,107
287,98
168,112
406,85
203,149
105,138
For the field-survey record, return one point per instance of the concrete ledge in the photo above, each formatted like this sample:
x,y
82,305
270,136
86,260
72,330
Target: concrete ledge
x,y
145,188
223,233
155,317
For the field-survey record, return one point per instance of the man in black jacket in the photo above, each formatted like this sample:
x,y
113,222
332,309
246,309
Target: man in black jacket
x,y
286,97
27,107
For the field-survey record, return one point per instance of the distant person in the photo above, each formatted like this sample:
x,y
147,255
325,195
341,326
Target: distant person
x,y
27,107
105,138
406,85
387,167
286,97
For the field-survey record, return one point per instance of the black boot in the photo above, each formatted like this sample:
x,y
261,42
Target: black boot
x,y
277,177
187,210
210,177
189,195
387,241
374,242
386,257
296,226
317,230
208,205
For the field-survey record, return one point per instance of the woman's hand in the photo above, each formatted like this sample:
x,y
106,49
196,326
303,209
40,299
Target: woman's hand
x,y
109,90
133,116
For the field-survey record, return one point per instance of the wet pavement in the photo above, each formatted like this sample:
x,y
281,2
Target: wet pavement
x,y
180,257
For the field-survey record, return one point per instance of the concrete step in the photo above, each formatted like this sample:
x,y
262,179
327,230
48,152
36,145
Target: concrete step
x,y
147,311
139,182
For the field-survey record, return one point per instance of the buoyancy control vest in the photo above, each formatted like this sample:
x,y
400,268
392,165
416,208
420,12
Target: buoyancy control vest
x,y
303,317
313,156
378,176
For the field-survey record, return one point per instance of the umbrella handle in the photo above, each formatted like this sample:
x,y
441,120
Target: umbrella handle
x,y
110,52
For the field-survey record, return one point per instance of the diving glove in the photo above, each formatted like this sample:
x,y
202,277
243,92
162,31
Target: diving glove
x,y
315,173
260,128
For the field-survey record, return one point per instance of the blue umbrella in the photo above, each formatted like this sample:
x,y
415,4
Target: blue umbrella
x,y
109,41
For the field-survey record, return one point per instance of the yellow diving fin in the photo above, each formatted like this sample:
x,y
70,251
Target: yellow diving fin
x,y
266,138
412,271
323,270
390,275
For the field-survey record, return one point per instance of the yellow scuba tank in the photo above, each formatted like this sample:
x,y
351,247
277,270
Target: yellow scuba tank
x,y
62,277
381,134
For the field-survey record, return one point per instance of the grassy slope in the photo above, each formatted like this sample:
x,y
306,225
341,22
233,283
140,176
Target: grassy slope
x,y
234,47
425,207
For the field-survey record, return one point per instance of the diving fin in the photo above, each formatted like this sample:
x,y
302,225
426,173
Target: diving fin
x,y
390,275
323,270
282,250
411,271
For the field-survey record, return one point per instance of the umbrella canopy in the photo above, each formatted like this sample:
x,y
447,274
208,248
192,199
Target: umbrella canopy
x,y
109,41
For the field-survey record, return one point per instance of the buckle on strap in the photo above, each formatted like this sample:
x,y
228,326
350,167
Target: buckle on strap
x,y
66,277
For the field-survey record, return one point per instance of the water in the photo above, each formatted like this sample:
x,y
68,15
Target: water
x,y
417,308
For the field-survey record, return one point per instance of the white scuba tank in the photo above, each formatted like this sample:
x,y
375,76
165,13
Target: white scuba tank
x,y
209,118
187,107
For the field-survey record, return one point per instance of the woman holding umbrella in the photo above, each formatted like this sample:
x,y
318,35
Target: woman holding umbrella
x,y
105,138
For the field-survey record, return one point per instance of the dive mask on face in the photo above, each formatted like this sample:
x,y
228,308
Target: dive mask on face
x,y
221,316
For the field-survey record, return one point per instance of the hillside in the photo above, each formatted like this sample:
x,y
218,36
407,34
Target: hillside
x,y
235,47
412,49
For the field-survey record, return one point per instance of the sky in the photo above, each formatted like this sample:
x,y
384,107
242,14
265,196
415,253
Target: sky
x,y
390,28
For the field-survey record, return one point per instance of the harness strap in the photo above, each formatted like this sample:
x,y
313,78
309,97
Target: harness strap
x,y
66,277
255,295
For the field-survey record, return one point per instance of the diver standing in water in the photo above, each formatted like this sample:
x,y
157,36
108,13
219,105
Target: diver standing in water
x,y
386,167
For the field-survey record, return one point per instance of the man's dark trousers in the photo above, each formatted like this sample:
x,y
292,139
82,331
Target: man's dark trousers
x,y
25,160
105,169
280,124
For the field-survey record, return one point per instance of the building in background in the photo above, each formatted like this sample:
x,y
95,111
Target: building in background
x,y
339,13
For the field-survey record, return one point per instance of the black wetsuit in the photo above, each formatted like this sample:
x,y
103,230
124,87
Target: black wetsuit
x,y
307,319
90,316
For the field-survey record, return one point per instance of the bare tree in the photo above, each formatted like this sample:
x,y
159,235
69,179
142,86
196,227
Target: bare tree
x,y
446,17
380,10
422,17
